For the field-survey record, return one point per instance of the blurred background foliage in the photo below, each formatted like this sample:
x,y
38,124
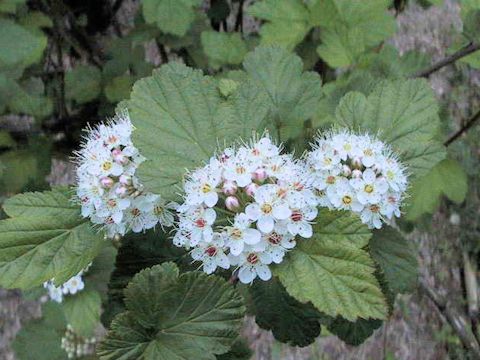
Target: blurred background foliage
x,y
66,64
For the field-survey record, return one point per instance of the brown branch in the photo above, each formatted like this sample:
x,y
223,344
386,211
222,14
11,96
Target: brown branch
x,y
463,129
456,320
466,50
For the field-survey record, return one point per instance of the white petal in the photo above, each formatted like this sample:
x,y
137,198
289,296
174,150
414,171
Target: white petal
x,y
209,266
236,247
305,230
281,212
264,272
222,261
251,236
265,224
197,253
246,275
210,215
211,199
253,211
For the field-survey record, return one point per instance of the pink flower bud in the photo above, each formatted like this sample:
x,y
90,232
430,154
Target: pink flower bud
x,y
118,156
260,174
231,202
251,188
356,173
229,187
106,182
357,163
121,190
346,170
124,179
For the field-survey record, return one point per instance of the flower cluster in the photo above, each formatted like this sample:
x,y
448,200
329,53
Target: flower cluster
x,y
357,173
245,209
70,287
77,346
109,191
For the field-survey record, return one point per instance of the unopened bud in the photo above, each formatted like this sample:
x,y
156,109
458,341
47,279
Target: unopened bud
x,y
231,203
124,179
121,190
357,163
356,173
260,174
118,156
229,188
346,170
455,219
251,188
106,182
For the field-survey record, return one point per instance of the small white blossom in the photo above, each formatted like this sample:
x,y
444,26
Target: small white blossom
x,y
70,287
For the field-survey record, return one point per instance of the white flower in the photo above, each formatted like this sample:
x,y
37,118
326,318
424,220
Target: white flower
x,y
73,285
212,255
241,233
357,173
253,264
299,222
267,208
70,287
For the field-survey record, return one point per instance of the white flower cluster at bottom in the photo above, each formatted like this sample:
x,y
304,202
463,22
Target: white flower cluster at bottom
x,y
358,173
70,287
109,191
77,346
245,208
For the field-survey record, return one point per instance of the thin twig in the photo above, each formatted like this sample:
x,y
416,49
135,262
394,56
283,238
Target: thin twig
x,y
239,20
463,129
466,50
450,315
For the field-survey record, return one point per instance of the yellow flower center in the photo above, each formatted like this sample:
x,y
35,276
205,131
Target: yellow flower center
x,y
266,208
107,165
368,189
347,200
236,233
390,175
240,170
206,188
368,152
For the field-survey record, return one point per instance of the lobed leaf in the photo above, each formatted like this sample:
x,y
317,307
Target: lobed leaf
x,y
196,316
336,276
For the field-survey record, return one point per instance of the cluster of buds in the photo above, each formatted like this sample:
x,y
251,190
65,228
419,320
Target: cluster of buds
x,y
109,192
77,346
245,208
358,173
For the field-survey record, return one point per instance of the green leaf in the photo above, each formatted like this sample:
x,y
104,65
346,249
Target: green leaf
x,y
446,178
195,317
291,321
354,333
82,311
47,203
293,93
40,339
26,49
119,88
223,48
178,125
10,6
171,16
404,114
36,19
335,275
238,351
392,252
6,140
227,87
82,83
287,21
346,28
36,248
138,251
342,226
